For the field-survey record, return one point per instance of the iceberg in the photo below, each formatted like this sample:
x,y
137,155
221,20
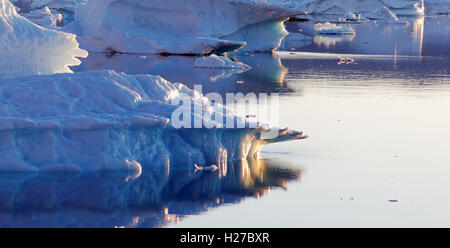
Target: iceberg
x,y
28,49
220,62
364,7
331,28
194,27
103,120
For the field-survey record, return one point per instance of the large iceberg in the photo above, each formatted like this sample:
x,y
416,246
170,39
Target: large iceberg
x,y
103,120
27,5
27,49
179,26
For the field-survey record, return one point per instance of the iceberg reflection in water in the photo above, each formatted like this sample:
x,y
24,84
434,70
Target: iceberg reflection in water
x,y
151,198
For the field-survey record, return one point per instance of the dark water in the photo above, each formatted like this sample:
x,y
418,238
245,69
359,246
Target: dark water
x,y
378,126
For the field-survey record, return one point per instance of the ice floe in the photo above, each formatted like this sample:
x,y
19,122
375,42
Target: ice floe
x,y
28,49
364,7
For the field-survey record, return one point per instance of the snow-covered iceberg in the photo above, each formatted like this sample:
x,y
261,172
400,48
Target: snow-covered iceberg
x,y
103,120
179,26
27,49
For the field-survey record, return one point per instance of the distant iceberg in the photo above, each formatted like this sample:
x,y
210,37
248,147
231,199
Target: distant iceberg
x,y
28,49
179,26
364,7
219,62
331,28
103,120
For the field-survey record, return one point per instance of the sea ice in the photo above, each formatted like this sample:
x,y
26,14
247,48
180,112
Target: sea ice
x,y
27,49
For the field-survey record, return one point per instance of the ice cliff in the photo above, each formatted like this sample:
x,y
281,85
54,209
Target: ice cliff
x,y
27,49
179,26
104,120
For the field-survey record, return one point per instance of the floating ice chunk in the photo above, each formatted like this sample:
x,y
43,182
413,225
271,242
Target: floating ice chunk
x,y
193,27
103,120
331,28
219,62
28,49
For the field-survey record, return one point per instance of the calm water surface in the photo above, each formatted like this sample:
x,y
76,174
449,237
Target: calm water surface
x,y
378,154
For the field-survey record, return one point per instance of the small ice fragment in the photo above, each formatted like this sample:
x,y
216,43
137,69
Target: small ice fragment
x,y
332,29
